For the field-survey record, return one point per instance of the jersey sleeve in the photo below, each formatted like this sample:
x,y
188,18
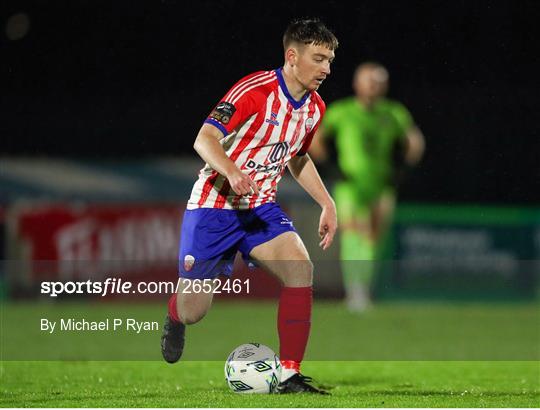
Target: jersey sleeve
x,y
307,141
239,104
403,116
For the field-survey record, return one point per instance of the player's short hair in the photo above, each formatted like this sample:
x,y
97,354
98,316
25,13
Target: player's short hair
x,y
309,31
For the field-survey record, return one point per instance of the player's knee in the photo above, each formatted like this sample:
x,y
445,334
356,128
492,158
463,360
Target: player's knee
x,y
307,272
193,310
299,274
190,318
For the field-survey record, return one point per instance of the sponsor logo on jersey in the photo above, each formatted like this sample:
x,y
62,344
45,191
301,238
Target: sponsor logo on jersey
x,y
273,119
264,167
223,112
278,152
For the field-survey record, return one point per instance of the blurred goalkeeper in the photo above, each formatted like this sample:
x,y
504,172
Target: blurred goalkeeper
x,y
375,140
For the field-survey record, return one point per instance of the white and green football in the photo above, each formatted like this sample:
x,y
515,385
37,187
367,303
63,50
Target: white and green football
x,y
253,368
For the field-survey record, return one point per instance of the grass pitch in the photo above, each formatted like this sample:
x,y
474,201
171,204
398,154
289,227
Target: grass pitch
x,y
201,384
396,331
397,355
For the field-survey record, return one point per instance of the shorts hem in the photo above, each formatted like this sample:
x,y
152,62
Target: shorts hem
x,y
245,255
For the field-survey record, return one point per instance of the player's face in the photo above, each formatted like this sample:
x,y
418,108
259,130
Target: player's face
x,y
371,82
312,65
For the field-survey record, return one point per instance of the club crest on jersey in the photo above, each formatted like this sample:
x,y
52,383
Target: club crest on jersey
x,y
309,124
223,112
189,261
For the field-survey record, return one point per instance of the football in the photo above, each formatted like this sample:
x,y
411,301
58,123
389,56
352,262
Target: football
x,y
253,368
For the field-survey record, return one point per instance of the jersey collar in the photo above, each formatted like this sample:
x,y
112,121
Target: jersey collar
x,y
281,81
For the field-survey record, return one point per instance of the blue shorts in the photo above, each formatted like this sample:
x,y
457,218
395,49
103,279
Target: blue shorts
x,y
211,237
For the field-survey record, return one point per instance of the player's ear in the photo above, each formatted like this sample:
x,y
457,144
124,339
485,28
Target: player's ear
x,y
291,56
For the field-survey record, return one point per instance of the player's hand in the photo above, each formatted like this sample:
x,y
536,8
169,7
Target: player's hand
x,y
242,184
327,226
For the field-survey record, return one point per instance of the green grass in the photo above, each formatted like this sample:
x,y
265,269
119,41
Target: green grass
x,y
201,384
391,331
396,355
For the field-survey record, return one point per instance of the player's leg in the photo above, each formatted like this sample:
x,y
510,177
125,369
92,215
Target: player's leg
x,y
188,306
382,214
281,252
183,309
286,258
357,247
207,247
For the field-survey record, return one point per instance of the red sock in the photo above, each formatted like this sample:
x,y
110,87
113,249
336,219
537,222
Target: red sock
x,y
294,323
173,312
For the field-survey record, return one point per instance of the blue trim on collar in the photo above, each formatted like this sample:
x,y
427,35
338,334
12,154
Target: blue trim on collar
x,y
218,125
296,104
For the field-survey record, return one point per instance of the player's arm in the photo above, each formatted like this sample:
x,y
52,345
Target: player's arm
x,y
303,170
415,146
210,150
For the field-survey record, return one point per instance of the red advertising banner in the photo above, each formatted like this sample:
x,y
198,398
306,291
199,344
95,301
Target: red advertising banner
x,y
101,232
95,242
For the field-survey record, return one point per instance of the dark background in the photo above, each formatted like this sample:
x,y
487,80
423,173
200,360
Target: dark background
x,y
131,79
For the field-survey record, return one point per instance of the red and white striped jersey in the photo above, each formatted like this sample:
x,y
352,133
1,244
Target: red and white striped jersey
x,y
263,127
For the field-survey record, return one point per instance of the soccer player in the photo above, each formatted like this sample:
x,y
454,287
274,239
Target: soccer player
x,y
264,123
374,138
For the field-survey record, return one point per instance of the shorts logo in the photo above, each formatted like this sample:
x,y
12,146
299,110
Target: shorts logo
x,y
223,112
285,221
189,261
309,124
